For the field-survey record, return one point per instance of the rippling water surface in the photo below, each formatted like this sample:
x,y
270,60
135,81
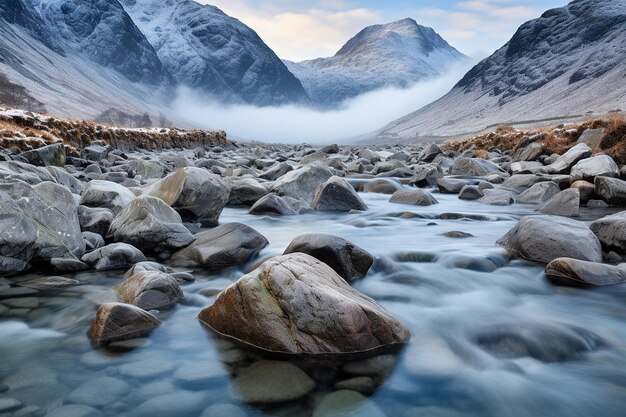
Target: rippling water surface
x,y
490,336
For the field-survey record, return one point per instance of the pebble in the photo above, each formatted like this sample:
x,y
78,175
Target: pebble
x,y
24,302
145,369
347,403
74,411
224,410
7,404
194,373
373,366
99,392
362,384
267,382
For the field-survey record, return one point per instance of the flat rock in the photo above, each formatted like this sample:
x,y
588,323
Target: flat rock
x,y
415,197
297,304
565,162
51,155
497,197
448,185
545,238
583,272
226,245
474,167
348,260
116,322
336,194
592,137
268,382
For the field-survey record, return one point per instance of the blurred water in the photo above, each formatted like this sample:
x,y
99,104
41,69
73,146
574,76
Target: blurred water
x,y
490,337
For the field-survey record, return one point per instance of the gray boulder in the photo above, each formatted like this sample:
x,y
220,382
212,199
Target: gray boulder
x,y
150,225
611,231
430,152
497,197
302,183
596,166
592,137
345,258
276,171
51,155
245,192
95,152
587,190
114,256
106,194
522,182
195,193
447,185
378,186
415,197
538,193
474,167
611,190
545,238
95,219
470,192
149,287
116,322
567,270
566,203
565,162
297,304
269,382
272,204
426,175
336,194
227,245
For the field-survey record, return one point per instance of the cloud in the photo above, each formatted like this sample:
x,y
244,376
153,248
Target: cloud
x,y
298,33
293,124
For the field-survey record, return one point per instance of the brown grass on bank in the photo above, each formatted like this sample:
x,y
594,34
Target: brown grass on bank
x,y
555,140
22,133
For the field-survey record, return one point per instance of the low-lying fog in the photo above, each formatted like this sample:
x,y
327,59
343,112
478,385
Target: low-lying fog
x,y
296,124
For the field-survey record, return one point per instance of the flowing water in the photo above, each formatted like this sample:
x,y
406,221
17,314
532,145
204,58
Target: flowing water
x,y
490,336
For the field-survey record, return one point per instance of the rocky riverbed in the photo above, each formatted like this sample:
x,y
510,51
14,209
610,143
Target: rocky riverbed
x,y
242,280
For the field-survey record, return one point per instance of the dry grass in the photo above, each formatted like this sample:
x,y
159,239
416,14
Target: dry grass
x,y
22,133
554,139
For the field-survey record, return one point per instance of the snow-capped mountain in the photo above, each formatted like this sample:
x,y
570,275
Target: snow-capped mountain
x,y
567,63
211,52
396,54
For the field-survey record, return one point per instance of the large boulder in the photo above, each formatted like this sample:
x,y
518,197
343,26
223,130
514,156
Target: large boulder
x,y
497,197
344,257
51,155
522,182
470,192
538,193
545,238
426,175
37,223
612,190
11,171
113,256
302,183
273,204
447,185
474,167
227,245
106,194
197,194
567,270
149,287
116,322
566,203
592,137
596,166
378,186
414,197
276,171
297,304
430,152
336,194
245,192
95,219
611,231
565,162
150,225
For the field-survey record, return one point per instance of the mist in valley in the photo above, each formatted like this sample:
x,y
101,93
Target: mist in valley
x,y
296,124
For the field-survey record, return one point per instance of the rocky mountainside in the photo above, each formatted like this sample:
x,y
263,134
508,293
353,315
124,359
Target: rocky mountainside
x,y
569,62
392,55
207,50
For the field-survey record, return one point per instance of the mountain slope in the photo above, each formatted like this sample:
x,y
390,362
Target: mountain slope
x,y
66,80
392,55
209,51
568,62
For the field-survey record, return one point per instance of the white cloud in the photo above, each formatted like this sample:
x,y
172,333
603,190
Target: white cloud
x,y
297,33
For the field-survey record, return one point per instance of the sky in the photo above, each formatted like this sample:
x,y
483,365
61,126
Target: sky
x,y
307,29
